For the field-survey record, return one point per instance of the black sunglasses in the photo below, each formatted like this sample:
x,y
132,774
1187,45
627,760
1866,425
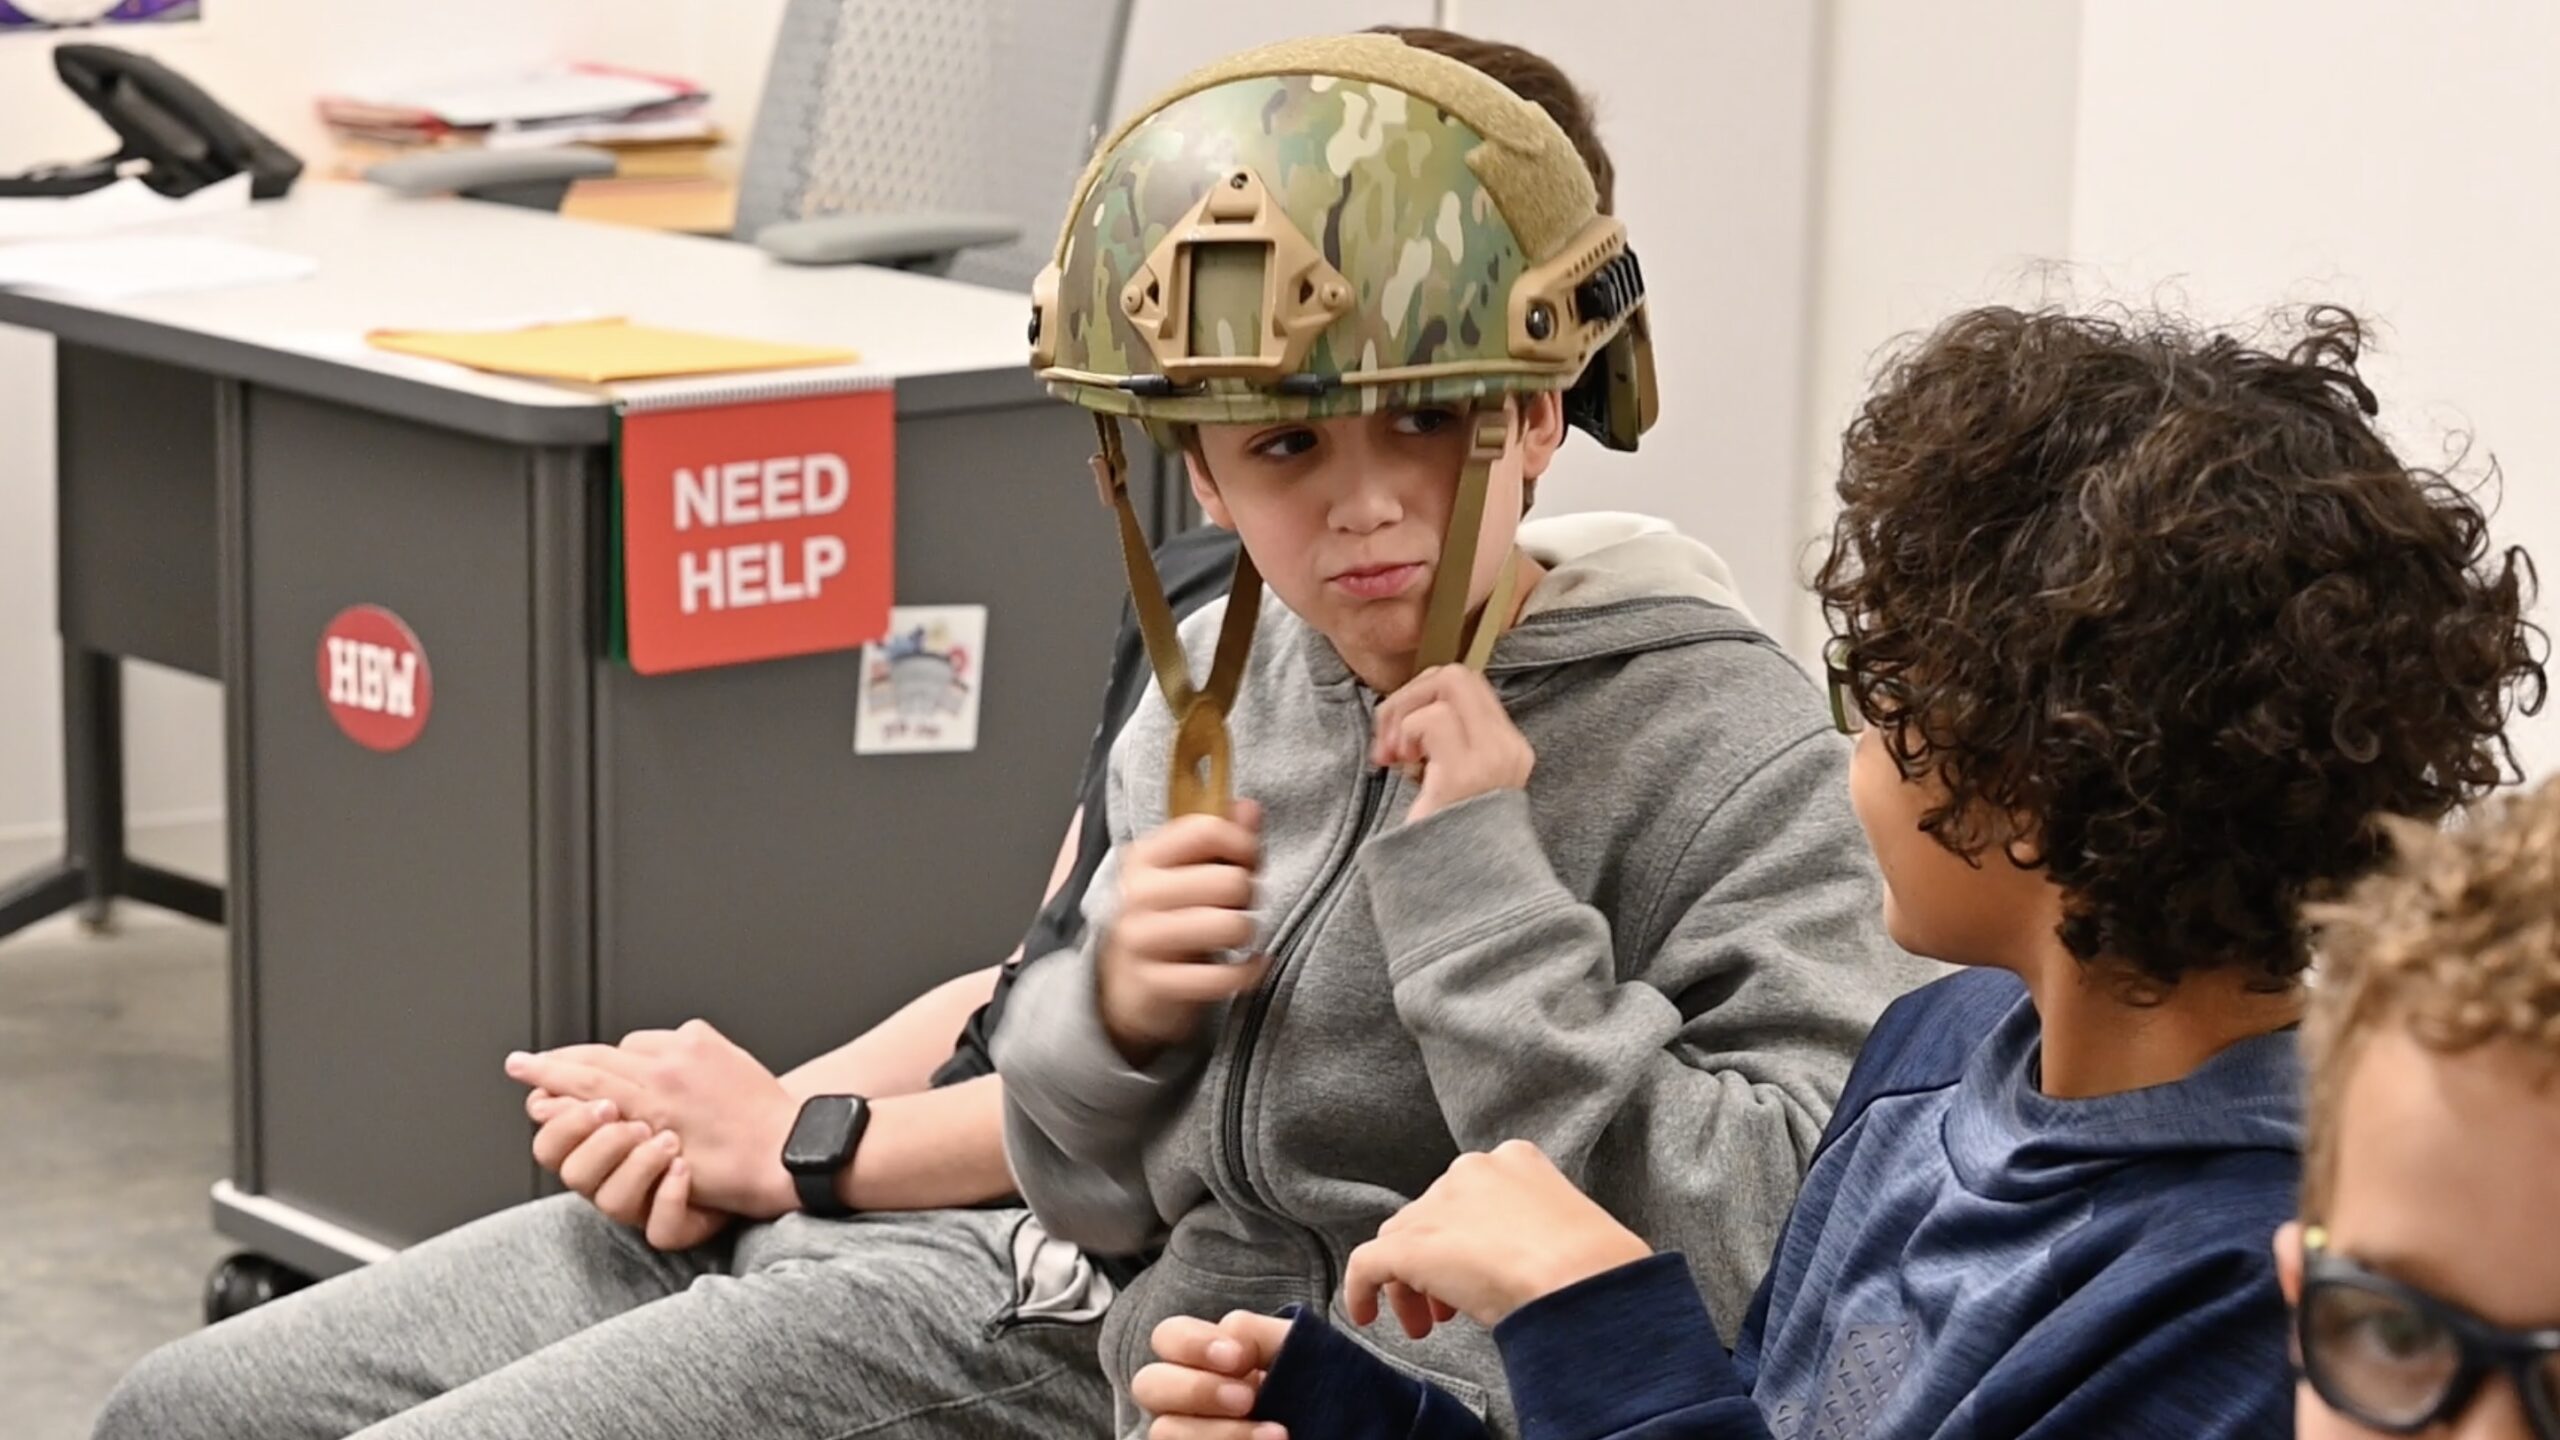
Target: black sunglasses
x,y
2396,1359
1846,717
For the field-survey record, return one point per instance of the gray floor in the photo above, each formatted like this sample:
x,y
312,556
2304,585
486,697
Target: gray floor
x,y
114,1122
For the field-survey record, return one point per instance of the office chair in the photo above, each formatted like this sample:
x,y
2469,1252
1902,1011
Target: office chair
x,y
938,135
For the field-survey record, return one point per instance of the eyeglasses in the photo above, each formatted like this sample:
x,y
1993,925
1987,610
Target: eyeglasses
x,y
1846,717
2397,1359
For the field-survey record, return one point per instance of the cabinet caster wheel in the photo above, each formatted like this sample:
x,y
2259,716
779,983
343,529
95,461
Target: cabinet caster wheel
x,y
245,1282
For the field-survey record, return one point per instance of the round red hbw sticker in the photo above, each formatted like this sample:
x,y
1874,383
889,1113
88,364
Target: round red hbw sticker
x,y
373,674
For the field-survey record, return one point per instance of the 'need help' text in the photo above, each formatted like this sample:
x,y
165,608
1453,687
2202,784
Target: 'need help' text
x,y
753,492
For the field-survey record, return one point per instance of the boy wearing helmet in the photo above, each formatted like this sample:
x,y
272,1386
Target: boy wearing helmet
x,y
606,1312
1465,832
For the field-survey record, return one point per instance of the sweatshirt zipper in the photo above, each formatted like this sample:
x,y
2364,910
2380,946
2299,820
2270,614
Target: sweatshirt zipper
x,y
1373,789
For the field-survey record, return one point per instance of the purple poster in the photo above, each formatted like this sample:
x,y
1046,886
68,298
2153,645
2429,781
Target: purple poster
x,y
48,14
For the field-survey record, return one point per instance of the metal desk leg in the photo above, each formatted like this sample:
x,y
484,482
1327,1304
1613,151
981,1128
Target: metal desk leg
x,y
30,898
95,871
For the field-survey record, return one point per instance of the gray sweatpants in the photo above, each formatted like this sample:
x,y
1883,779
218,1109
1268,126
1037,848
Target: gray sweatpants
x,y
550,1321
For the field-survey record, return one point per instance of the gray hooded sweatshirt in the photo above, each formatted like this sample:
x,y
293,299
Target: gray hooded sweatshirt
x,y
1656,963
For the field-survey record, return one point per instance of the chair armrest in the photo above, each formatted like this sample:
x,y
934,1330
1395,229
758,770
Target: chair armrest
x,y
874,239
467,170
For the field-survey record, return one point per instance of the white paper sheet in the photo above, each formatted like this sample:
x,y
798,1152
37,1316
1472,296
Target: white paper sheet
x,y
118,267
124,205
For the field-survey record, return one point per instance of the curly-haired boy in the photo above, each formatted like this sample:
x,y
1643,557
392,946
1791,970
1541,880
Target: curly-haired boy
x,y
2426,1288
2144,628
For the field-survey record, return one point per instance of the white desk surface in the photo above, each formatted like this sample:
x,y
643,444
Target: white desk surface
x,y
391,262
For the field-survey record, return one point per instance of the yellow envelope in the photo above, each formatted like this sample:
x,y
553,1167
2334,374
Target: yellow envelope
x,y
600,352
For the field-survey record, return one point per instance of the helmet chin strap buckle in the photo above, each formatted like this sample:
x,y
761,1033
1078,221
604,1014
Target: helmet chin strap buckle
x,y
1199,779
1110,464
1200,782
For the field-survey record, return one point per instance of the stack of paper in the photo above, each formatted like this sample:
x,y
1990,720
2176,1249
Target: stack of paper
x,y
659,127
560,95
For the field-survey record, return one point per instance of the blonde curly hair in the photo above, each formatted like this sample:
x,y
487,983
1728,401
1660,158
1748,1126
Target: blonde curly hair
x,y
2457,941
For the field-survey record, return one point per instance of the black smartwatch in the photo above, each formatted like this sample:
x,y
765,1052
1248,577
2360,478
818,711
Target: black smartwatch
x,y
820,1146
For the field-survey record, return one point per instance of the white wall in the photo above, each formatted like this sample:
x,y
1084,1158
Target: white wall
x,y
2404,159
1946,182
1708,110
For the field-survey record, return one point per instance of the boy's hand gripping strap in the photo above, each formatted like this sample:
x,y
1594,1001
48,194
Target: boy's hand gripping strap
x,y
1200,781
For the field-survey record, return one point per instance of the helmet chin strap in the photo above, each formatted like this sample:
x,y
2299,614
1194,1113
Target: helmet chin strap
x,y
1201,781
1497,614
1445,639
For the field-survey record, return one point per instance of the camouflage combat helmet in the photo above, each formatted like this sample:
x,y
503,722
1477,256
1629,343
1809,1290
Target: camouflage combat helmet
x,y
1333,227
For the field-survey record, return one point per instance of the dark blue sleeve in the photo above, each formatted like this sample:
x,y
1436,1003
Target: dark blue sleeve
x,y
1324,1387
1626,1355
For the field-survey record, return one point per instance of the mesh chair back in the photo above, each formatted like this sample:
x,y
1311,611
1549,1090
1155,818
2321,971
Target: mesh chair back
x,y
960,105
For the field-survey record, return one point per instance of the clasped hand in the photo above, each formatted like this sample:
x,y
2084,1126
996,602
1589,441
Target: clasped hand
x,y
673,1132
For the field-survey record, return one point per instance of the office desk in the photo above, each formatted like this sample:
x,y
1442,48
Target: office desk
x,y
570,850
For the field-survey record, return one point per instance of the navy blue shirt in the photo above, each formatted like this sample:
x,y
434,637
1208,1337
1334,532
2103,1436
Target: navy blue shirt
x,y
1969,1257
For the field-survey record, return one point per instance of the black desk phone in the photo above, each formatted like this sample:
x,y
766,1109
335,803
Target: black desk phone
x,y
177,139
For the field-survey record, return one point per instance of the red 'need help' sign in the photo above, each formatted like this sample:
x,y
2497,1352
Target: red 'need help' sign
x,y
760,530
